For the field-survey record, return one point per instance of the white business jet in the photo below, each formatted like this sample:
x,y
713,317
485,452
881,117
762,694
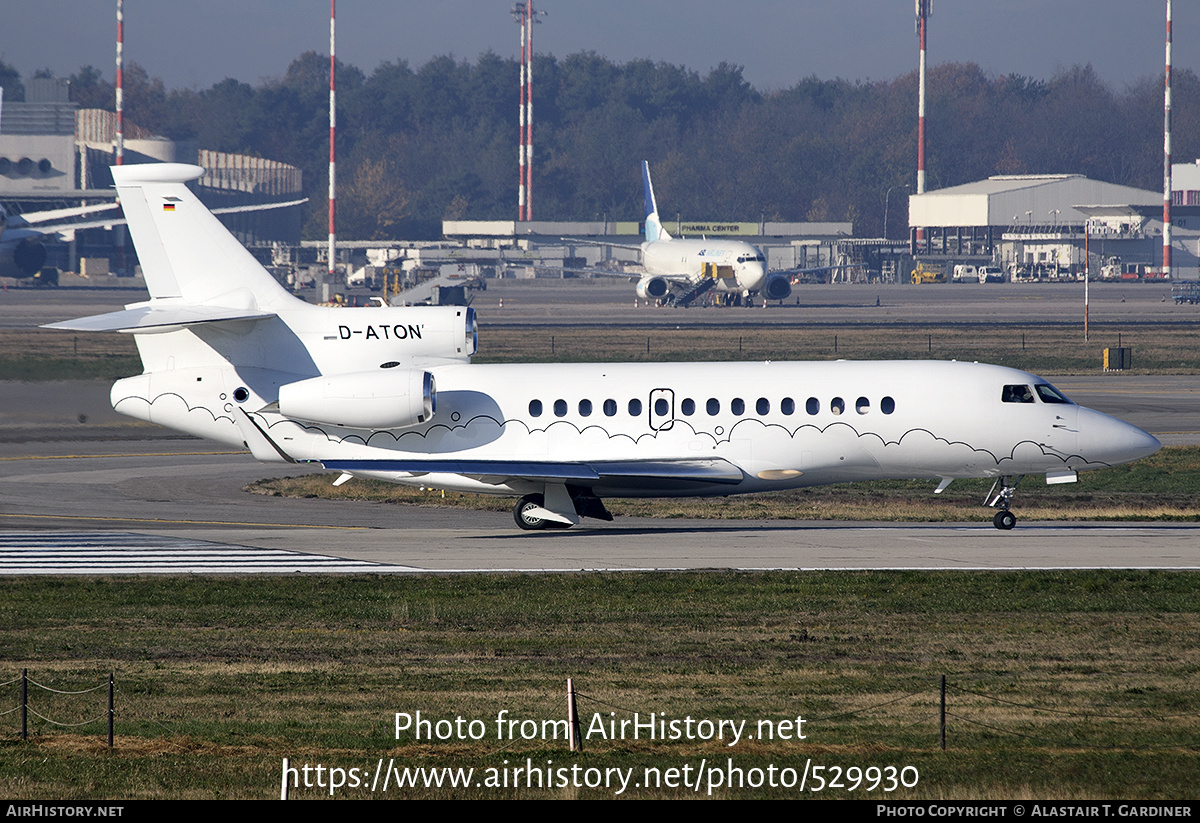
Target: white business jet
x,y
390,393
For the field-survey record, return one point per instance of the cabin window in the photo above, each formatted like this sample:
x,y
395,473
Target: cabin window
x,y
787,405
610,408
763,406
535,408
688,407
812,406
585,408
713,407
862,405
661,407
1016,394
837,405
560,408
887,405
1049,394
738,406
635,408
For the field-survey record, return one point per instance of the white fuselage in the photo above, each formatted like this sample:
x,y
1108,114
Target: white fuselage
x,y
778,424
682,257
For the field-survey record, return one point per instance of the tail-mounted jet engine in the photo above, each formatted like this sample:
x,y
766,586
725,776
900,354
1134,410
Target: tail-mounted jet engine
x,y
394,399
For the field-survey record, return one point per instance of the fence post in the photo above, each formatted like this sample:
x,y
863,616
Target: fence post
x,y
110,710
943,714
24,704
574,738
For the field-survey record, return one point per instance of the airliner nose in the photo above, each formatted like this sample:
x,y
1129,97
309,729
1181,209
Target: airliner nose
x,y
1105,439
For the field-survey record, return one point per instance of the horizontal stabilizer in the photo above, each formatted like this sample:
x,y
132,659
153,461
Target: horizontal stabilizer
x,y
149,319
643,471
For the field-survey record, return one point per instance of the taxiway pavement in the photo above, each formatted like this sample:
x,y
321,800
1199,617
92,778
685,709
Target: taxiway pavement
x,y
73,470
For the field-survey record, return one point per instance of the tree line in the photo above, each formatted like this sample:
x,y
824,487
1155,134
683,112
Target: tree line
x,y
439,141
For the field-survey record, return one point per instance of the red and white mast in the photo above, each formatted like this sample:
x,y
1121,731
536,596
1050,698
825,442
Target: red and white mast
x,y
524,14
519,12
119,137
529,110
1167,153
924,9
332,130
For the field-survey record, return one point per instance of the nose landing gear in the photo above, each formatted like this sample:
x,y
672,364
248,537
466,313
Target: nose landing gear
x,y
1002,499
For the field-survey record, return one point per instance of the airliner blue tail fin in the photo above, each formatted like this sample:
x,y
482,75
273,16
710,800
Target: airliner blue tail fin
x,y
654,230
185,252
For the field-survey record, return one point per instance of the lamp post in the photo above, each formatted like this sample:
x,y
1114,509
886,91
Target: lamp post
x,y
885,207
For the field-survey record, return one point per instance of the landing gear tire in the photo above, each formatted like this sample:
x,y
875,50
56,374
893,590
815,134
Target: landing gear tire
x,y
1004,520
526,520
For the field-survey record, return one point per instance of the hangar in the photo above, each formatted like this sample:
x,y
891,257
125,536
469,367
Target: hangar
x,y
1038,226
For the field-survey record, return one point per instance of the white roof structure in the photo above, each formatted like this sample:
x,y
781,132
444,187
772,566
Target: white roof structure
x,y
1030,199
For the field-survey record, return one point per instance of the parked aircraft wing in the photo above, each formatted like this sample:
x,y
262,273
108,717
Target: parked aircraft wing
x,y
38,217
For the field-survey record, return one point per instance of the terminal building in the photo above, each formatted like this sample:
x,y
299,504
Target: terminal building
x,y
55,155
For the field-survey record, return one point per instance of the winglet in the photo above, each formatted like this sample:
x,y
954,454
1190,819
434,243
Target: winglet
x,y
654,230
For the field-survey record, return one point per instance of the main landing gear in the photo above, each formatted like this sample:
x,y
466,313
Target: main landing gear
x,y
533,514
1004,519
527,517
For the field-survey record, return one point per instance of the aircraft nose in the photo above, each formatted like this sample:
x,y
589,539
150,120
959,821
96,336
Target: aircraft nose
x,y
1108,440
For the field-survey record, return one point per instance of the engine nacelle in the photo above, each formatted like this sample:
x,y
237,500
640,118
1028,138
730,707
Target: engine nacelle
x,y
385,399
652,288
21,258
778,287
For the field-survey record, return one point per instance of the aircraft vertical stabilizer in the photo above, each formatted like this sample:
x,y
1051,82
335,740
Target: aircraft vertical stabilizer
x,y
185,252
654,230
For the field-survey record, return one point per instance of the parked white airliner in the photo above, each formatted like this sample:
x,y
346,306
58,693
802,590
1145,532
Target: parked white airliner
x,y
390,393
677,262
21,251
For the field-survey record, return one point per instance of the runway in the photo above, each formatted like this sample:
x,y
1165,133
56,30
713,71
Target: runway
x,y
184,511
86,491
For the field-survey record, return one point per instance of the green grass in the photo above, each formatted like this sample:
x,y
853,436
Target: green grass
x,y
1062,684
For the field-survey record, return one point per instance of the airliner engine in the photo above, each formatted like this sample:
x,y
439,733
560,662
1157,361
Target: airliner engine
x,y
778,287
21,258
652,288
393,399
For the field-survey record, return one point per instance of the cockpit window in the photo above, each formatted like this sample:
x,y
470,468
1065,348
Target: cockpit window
x,y
1049,394
1016,394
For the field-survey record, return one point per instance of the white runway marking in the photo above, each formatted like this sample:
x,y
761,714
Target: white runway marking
x,y
116,553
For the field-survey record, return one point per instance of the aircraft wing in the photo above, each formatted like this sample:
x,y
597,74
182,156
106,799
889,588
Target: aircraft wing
x,y
816,269
642,474
37,217
63,228
259,207
35,221
583,242
681,280
147,318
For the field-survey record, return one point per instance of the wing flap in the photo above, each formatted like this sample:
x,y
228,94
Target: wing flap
x,y
603,472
